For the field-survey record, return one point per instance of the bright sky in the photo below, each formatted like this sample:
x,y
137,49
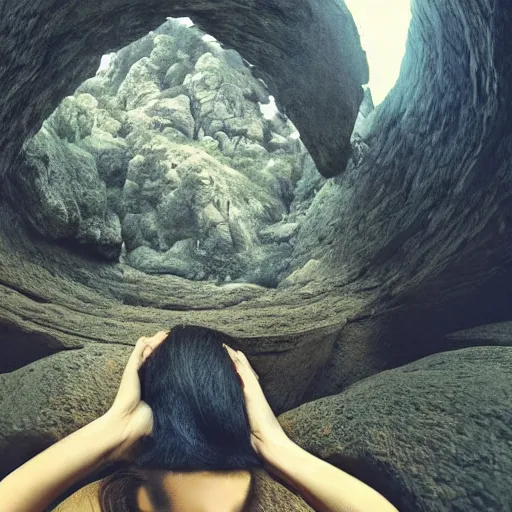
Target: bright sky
x,y
383,27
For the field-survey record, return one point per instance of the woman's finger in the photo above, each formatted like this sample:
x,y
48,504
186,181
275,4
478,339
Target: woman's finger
x,y
145,346
242,364
245,362
146,353
158,338
229,350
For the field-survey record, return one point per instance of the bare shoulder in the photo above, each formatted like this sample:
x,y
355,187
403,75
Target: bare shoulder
x,y
84,500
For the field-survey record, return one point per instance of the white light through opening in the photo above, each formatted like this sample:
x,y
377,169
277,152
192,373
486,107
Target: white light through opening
x,y
207,38
383,27
269,110
183,21
105,62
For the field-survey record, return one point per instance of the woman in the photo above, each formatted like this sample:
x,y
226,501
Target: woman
x,y
190,457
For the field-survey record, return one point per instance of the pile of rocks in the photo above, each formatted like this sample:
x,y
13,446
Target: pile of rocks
x,y
166,159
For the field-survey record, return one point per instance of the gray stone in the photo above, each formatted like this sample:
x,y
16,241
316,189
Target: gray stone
x,y
110,154
163,54
176,111
155,262
74,119
279,232
432,435
140,85
176,74
68,199
278,142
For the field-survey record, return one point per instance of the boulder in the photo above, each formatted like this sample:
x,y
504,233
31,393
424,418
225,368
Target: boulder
x,y
140,85
176,111
279,232
68,198
217,94
432,435
50,399
176,74
74,119
154,262
110,154
163,54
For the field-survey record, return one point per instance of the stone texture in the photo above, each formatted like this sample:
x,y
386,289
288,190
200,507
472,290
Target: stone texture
x,y
411,243
60,192
490,334
192,171
433,435
53,299
421,226
52,398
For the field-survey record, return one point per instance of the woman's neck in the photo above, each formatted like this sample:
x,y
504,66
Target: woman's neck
x,y
201,491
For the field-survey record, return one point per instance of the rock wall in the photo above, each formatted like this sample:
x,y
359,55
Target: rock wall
x,y
422,225
49,48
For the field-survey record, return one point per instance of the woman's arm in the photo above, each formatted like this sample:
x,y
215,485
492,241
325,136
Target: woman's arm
x,y
41,480
36,484
325,487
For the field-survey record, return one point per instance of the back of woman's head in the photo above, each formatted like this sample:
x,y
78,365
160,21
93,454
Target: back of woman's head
x,y
200,421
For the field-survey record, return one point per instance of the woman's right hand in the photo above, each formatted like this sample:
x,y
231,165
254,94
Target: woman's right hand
x,y
266,432
325,487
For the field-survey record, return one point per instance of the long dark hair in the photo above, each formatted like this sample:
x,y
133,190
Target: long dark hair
x,y
200,421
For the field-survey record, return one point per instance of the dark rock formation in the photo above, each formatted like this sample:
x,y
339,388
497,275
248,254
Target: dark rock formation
x,y
421,227
46,57
491,334
433,435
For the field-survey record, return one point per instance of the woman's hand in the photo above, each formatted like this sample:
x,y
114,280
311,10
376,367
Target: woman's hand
x,y
266,432
35,485
325,487
129,412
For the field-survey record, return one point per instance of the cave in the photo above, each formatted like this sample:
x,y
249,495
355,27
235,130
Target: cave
x,y
368,276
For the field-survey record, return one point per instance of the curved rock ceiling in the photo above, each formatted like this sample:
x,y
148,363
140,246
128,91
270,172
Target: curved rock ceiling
x,y
410,243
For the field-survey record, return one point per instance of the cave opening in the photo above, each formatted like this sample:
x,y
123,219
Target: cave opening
x,y
174,160
383,28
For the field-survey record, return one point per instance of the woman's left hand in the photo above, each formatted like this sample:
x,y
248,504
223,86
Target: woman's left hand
x,y
133,416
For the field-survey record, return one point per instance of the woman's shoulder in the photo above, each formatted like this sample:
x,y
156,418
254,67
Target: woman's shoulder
x,y
267,494
85,499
